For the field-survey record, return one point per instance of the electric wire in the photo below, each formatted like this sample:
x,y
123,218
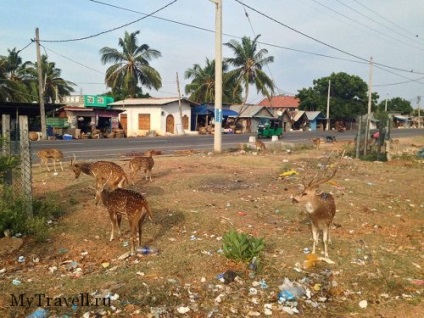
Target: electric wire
x,y
110,30
323,43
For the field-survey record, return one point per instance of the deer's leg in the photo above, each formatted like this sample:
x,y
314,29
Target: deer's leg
x,y
60,162
140,225
47,164
315,237
97,196
54,165
118,221
150,174
325,237
113,221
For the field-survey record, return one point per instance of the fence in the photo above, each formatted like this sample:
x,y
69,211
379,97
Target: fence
x,y
17,144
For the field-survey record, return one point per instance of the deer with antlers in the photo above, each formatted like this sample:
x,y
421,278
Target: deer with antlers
x,y
131,204
113,173
50,153
145,162
320,207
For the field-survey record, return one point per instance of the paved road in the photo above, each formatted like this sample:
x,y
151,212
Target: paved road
x,y
113,149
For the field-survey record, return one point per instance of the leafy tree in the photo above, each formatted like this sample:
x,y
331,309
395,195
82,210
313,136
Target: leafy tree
x,y
202,86
398,105
54,85
249,62
131,66
348,96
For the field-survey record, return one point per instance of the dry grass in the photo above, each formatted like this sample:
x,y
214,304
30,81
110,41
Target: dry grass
x,y
377,240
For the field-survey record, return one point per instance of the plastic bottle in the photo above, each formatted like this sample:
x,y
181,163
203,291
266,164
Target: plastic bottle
x,y
39,313
144,250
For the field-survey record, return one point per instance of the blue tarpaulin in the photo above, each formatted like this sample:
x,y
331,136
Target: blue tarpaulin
x,y
209,110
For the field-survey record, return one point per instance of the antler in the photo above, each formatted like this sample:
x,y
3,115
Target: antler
x,y
323,179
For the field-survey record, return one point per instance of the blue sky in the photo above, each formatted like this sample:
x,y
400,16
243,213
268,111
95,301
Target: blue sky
x,y
309,39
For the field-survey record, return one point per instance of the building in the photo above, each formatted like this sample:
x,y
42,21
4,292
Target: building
x,y
154,116
281,103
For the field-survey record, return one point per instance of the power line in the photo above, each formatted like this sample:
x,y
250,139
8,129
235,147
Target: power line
x,y
365,16
323,43
111,30
391,22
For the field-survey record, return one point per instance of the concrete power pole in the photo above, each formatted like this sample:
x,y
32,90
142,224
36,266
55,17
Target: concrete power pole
x,y
328,107
218,77
419,111
40,87
367,127
180,107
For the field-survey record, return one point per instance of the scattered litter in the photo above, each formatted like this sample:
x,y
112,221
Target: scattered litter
x,y
124,256
289,173
327,260
253,291
242,213
183,310
3,270
105,265
125,244
21,259
39,313
363,304
16,282
52,269
306,250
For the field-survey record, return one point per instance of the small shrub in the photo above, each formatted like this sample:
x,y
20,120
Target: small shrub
x,y
241,246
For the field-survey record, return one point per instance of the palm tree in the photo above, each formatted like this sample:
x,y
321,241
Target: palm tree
x,y
131,65
248,63
202,86
54,85
12,77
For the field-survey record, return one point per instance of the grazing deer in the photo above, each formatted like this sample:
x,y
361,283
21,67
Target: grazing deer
x,y
316,142
320,206
102,171
259,144
50,153
142,162
131,204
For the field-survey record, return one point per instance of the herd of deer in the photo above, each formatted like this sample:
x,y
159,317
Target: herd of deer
x,y
118,201
110,182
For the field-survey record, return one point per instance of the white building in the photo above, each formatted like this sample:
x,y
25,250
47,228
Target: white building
x,y
154,116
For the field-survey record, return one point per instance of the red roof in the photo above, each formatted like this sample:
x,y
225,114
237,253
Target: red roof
x,y
281,101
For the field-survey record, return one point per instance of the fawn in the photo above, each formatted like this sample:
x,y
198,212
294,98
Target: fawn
x,y
320,206
316,142
129,203
113,173
50,153
146,162
259,144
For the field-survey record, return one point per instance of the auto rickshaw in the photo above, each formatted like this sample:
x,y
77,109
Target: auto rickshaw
x,y
273,127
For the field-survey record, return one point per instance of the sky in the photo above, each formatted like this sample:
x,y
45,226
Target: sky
x,y
309,39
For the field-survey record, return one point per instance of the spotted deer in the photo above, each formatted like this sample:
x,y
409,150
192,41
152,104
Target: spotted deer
x,y
259,144
50,153
320,207
316,142
145,162
129,203
102,171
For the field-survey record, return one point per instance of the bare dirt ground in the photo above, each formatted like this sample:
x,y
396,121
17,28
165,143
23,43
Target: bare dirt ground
x,y
377,247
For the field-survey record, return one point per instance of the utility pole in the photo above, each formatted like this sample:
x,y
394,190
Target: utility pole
x,y
328,106
179,106
218,77
419,111
367,127
40,87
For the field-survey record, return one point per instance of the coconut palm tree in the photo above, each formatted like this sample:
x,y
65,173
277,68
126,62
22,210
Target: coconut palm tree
x,y
12,77
248,63
54,85
202,86
131,65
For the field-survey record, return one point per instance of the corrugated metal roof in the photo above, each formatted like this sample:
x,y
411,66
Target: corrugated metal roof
x,y
298,114
251,111
312,115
